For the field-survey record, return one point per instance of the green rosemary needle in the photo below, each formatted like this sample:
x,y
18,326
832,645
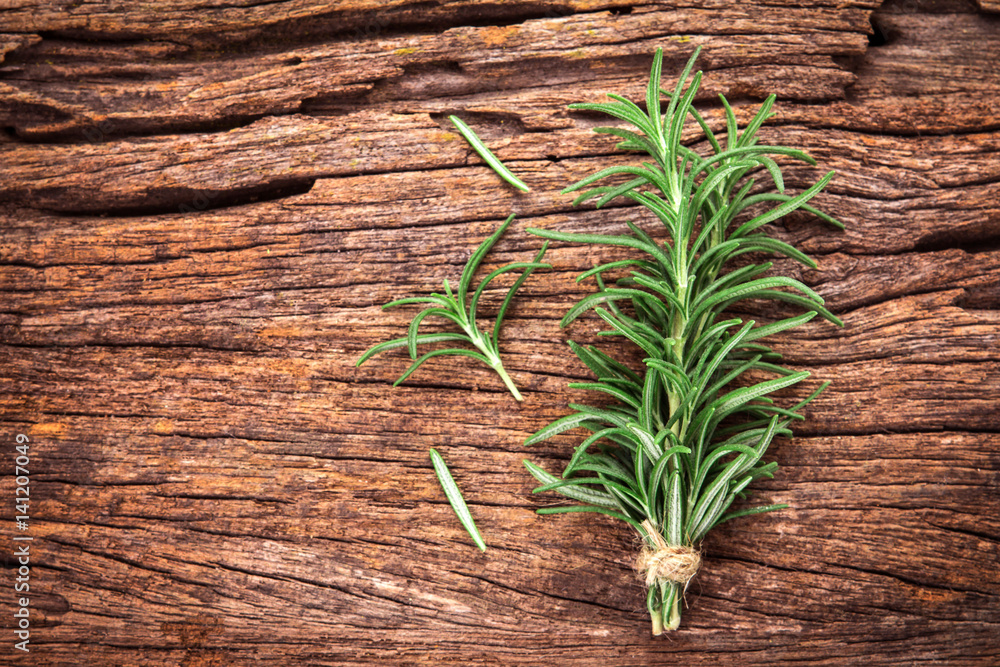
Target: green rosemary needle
x,y
684,436
455,498
484,152
460,308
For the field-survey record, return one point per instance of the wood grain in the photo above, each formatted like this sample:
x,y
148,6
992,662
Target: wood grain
x,y
205,203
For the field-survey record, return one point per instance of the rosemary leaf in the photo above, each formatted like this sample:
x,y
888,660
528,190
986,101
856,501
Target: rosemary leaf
x,y
455,498
488,155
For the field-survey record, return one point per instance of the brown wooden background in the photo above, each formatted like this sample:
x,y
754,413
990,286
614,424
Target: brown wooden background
x,y
205,202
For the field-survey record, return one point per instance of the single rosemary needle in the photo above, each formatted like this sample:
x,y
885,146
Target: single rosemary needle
x,y
488,155
455,498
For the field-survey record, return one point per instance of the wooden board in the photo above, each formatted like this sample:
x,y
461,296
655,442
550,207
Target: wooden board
x,y
204,204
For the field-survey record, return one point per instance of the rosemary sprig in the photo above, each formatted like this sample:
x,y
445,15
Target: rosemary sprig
x,y
461,309
679,442
455,498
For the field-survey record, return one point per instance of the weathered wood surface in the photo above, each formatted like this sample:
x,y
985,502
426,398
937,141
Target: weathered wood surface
x,y
205,203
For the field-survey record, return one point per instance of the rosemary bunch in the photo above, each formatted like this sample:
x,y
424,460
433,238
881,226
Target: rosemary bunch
x,y
680,441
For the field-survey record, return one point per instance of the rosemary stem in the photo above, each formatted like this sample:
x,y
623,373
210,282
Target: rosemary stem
x,y
483,343
674,615
667,615
498,367
679,346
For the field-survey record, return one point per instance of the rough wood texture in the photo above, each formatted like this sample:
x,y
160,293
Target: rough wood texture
x,y
204,203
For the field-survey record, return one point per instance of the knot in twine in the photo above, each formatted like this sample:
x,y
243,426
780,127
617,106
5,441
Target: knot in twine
x,y
677,564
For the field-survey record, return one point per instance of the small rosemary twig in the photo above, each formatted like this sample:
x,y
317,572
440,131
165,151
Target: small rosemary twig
x,y
460,308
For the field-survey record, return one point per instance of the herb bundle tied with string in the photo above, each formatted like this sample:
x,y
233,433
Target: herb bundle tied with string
x,y
684,435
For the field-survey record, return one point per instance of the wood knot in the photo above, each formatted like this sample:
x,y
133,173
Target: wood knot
x,y
663,562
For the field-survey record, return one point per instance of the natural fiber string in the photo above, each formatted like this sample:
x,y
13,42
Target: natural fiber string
x,y
677,564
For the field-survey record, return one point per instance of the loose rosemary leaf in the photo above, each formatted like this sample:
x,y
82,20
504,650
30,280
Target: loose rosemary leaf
x,y
488,155
455,498
683,438
460,310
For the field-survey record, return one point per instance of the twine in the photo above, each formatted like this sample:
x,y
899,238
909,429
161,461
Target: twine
x,y
677,564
